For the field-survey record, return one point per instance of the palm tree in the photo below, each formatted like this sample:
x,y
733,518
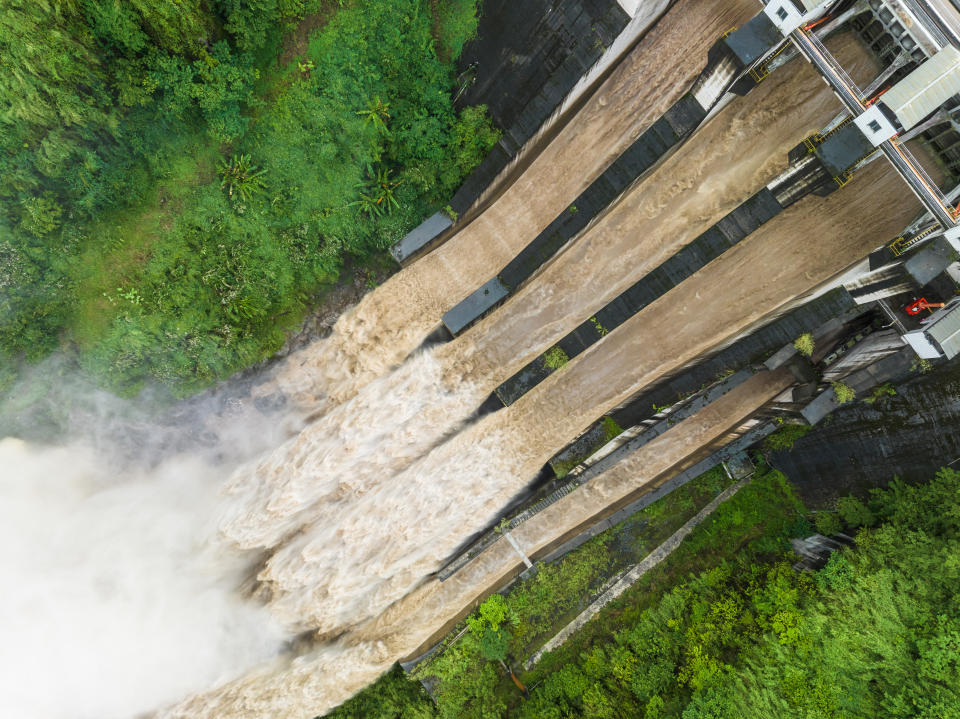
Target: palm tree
x,y
377,194
241,177
368,204
376,113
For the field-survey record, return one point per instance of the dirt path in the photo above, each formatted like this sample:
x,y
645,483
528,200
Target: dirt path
x,y
295,44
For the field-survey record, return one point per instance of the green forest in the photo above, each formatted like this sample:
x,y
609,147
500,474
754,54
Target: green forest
x,y
726,627
180,179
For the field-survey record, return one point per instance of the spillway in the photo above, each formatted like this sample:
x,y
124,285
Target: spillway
x,y
333,673
811,241
394,319
334,575
698,185
392,421
394,472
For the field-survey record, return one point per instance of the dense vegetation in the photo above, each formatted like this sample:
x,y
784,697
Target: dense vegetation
x,y
179,178
874,633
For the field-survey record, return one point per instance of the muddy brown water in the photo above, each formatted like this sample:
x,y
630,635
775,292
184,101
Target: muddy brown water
x,y
459,487
359,444
391,421
738,152
364,577
394,319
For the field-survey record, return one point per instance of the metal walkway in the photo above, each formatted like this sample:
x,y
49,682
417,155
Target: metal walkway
x,y
924,188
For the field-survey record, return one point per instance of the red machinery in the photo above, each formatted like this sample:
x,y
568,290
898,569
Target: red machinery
x,y
915,308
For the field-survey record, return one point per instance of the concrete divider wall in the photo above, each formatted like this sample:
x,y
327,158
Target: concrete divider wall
x,y
730,230
748,350
527,56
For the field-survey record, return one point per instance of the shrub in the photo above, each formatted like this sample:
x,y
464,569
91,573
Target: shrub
x,y
785,437
828,522
800,528
804,344
881,392
41,215
611,428
240,176
555,358
854,512
601,330
843,393
456,25
836,575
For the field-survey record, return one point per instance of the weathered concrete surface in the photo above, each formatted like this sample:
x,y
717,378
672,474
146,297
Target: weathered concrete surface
x,y
860,446
527,57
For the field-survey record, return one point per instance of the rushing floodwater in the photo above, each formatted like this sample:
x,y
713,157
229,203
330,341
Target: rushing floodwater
x,y
806,245
349,456
393,320
346,521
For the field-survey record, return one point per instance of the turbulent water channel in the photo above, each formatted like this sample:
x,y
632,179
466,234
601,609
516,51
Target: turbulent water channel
x,y
390,470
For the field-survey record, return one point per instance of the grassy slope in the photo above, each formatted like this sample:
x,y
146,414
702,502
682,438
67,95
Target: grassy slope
x,y
754,523
725,628
751,527
135,317
123,241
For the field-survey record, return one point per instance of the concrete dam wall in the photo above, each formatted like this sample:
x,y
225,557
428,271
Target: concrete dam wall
x,y
526,58
356,515
909,435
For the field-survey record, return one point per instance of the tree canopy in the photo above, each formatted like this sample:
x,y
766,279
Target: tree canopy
x,y
875,633
174,195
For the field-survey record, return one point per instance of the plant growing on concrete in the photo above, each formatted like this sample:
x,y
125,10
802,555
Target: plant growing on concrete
x,y
843,393
555,358
611,428
804,344
881,392
600,328
785,437
563,467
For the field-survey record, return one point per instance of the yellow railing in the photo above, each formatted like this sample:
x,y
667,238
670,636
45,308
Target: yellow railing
x,y
903,244
843,179
812,142
759,71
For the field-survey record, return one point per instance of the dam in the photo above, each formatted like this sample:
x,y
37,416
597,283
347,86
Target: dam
x,y
651,258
